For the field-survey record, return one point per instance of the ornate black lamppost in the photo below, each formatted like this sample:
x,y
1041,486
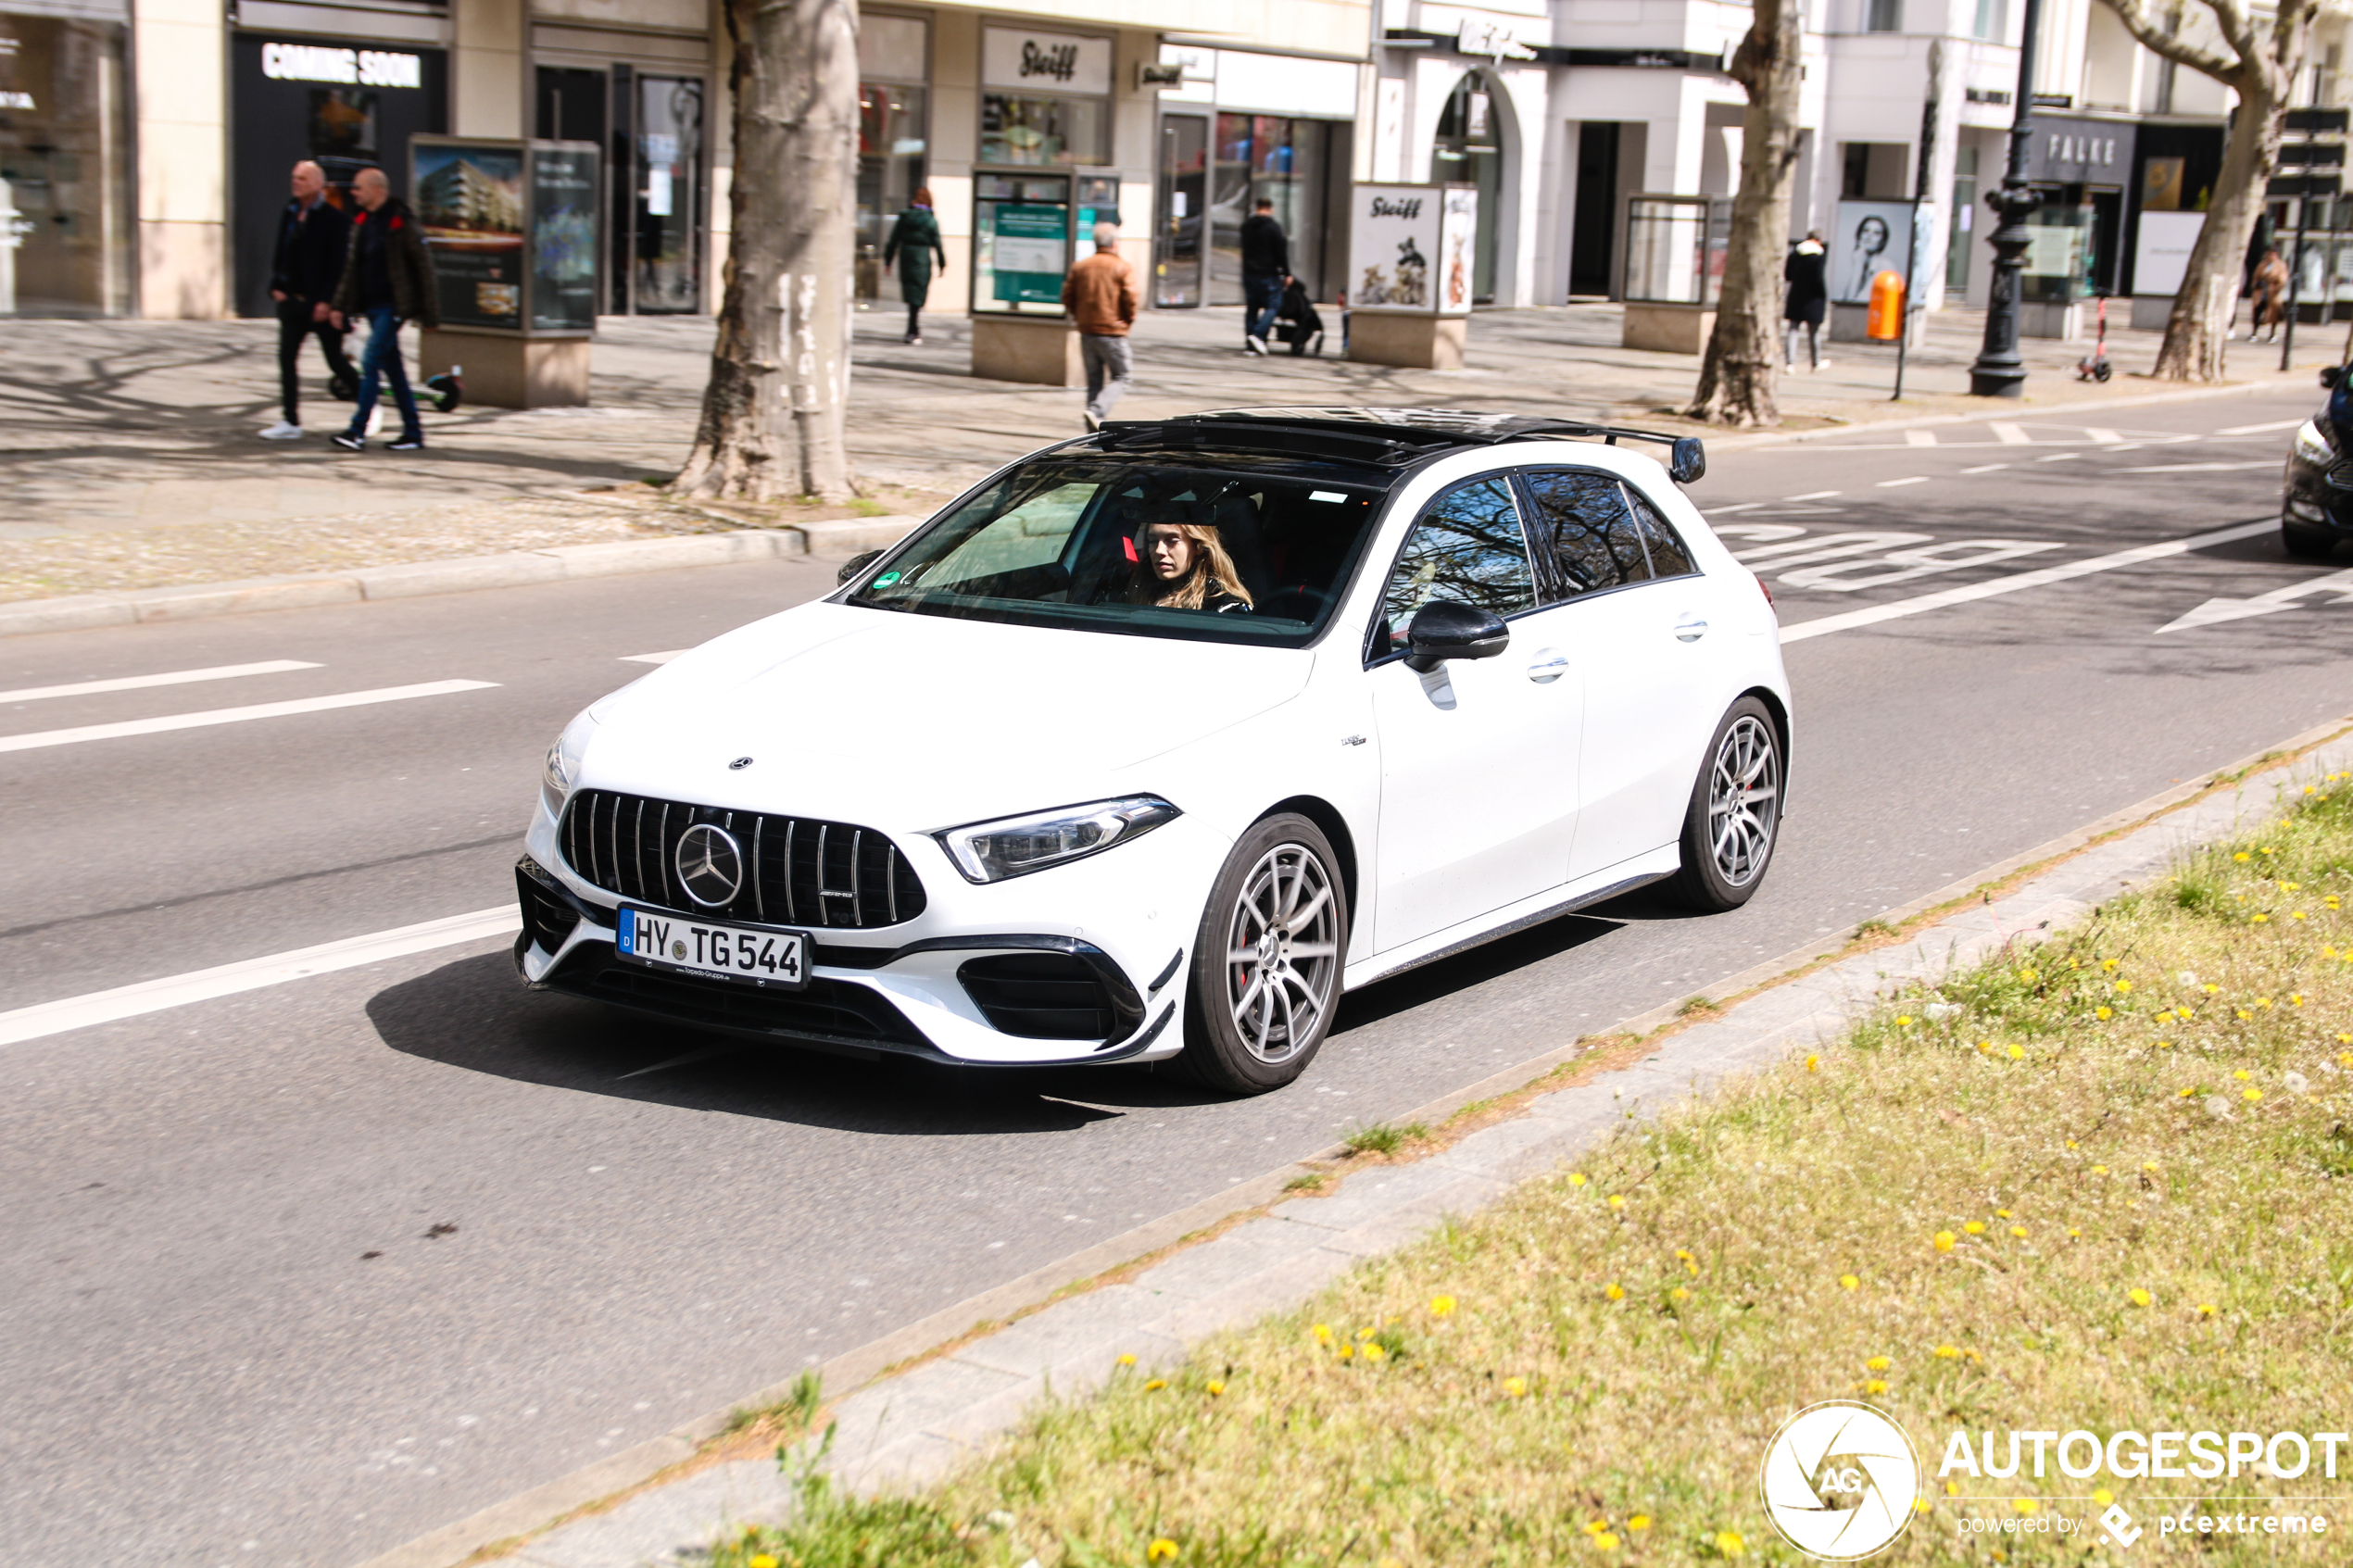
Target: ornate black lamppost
x,y
1999,372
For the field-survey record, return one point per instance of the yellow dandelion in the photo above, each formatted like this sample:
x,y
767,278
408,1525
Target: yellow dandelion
x,y
2029,976
1323,1332
2102,1496
2138,1297
1605,1542
1516,1387
2103,1014
1813,1063
1848,1282
760,1560
1615,1291
2259,918
2019,1231
1680,1294
1975,1227
1728,1543
1373,1352
2108,966
1576,1178
2242,854
2242,1074
2250,1096
1875,1387
1638,1523
1944,1241
1985,1046
2149,1165
1161,1550
1948,1352
2018,1053
1215,1386
2206,1309
1347,1351
1618,1200
1877,1364
1952,1489
2099,1169
2072,1231
2124,985
2025,1505
1442,1306
1903,1021
1919,1505
1155,1386
2001,1213
1126,1359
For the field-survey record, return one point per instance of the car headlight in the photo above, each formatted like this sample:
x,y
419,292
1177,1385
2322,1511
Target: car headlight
x,y
563,764
1017,845
2312,446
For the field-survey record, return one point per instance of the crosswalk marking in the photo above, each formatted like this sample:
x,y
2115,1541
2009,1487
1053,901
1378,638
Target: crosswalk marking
x,y
1919,438
170,678
251,974
2268,428
40,738
2012,436
2102,437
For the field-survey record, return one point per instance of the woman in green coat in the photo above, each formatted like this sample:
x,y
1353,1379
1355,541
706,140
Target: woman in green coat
x,y
915,240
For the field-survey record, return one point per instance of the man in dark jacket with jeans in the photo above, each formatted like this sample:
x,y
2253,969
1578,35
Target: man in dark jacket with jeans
x,y
1265,273
387,277
313,235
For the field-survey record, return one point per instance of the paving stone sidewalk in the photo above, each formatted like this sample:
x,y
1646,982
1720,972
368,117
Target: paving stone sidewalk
x,y
913,1428
130,456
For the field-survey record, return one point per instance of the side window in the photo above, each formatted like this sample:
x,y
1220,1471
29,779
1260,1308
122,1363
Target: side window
x,y
1469,548
1668,555
1583,518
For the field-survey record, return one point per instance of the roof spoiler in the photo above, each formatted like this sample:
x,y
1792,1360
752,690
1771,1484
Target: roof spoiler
x,y
1686,457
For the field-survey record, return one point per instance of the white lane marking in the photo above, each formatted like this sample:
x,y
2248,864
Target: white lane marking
x,y
1971,592
1812,496
1903,566
2012,436
252,974
2201,467
1815,549
2101,437
1919,438
1891,484
2060,457
1985,468
1712,512
171,677
666,657
234,715
2261,429
2214,612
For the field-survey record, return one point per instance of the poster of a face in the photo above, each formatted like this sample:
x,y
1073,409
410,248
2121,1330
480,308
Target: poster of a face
x,y
1395,231
1457,230
1871,237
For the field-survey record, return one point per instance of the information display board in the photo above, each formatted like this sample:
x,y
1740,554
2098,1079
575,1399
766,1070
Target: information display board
x,y
513,230
1022,242
1395,231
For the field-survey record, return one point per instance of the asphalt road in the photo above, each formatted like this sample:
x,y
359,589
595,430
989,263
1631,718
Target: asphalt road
x,y
233,1328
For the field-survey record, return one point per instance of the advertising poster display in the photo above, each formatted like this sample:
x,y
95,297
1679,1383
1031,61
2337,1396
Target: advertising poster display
x,y
563,239
468,197
1030,252
1392,233
1871,237
1458,228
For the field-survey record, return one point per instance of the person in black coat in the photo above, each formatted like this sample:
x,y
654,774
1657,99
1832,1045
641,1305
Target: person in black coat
x,y
1807,274
313,235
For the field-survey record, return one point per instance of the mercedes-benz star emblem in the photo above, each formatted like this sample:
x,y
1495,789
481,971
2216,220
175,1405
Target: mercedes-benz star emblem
x,y
740,764
710,865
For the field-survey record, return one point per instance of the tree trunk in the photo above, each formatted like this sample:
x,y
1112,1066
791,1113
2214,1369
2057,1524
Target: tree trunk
x,y
772,410
2197,331
1738,376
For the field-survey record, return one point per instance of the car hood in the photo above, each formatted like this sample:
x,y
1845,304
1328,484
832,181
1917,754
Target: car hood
x,y
921,722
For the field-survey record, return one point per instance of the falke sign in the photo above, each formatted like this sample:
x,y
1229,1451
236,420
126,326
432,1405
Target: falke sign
x,y
1021,60
2065,150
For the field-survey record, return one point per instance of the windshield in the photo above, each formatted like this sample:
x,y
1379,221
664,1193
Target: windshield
x,y
1231,547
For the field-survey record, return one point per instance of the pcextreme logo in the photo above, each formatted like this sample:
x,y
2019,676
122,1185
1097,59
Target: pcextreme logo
x,y
1840,1481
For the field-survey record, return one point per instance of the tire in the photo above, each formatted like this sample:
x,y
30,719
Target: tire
x,y
1739,789
2306,544
1242,1035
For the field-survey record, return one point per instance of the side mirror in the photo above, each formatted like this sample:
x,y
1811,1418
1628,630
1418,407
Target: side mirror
x,y
855,565
1443,629
2330,375
1687,460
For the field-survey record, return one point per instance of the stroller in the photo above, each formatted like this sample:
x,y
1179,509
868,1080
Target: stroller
x,y
1296,322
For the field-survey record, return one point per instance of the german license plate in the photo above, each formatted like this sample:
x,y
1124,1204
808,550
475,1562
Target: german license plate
x,y
695,947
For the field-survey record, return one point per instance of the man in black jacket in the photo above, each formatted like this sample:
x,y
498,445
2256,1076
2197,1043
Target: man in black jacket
x,y
388,279
312,236
1265,273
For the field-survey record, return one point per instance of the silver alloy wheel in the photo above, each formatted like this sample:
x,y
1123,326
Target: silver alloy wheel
x,y
1282,953
1744,800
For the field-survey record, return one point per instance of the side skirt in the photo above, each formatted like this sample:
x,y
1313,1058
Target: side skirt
x,y
1603,885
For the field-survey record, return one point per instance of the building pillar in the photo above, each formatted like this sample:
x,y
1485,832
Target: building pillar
x,y
488,95
180,76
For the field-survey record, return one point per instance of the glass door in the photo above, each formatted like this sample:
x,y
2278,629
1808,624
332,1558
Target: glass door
x,y
667,223
1182,205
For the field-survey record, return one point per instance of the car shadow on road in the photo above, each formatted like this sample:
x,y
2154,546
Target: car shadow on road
x,y
473,1015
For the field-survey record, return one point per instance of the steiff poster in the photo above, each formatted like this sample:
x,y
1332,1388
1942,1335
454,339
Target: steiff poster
x,y
1411,248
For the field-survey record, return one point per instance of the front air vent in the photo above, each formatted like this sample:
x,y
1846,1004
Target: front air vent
x,y
797,870
1041,995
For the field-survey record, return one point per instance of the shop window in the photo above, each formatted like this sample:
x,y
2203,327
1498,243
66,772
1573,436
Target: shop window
x,y
1883,15
1270,157
1025,131
1470,151
894,135
62,228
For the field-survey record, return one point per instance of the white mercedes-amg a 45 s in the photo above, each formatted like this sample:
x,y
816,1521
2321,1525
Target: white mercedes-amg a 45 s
x,y
1157,741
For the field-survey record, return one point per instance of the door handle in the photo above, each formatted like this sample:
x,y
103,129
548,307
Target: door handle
x,y
1690,629
1549,665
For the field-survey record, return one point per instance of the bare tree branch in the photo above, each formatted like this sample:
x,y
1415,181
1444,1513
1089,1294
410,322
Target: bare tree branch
x,y
2145,31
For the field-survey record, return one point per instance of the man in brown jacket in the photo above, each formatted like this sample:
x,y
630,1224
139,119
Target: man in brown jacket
x,y
388,279
1100,294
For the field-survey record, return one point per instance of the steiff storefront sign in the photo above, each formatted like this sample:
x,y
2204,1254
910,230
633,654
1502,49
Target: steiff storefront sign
x,y
1409,248
1044,64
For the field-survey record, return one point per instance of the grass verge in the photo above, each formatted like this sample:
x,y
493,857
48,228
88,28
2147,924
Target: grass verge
x,y
2096,1184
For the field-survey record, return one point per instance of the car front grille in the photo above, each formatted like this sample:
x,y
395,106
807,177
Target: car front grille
x,y
797,870
1041,995
831,1011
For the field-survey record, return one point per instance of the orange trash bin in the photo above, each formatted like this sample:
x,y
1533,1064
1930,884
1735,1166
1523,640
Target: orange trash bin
x,y
1885,322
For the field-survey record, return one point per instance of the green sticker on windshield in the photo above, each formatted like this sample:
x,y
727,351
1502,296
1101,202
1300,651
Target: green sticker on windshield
x,y
886,579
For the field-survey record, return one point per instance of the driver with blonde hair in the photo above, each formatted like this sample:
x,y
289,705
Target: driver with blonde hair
x,y
1183,565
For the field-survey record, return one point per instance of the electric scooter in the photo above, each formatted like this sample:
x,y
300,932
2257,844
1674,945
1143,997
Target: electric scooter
x,y
2094,366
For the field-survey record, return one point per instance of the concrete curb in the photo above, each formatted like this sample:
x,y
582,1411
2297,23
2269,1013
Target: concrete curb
x,y
914,1427
460,574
